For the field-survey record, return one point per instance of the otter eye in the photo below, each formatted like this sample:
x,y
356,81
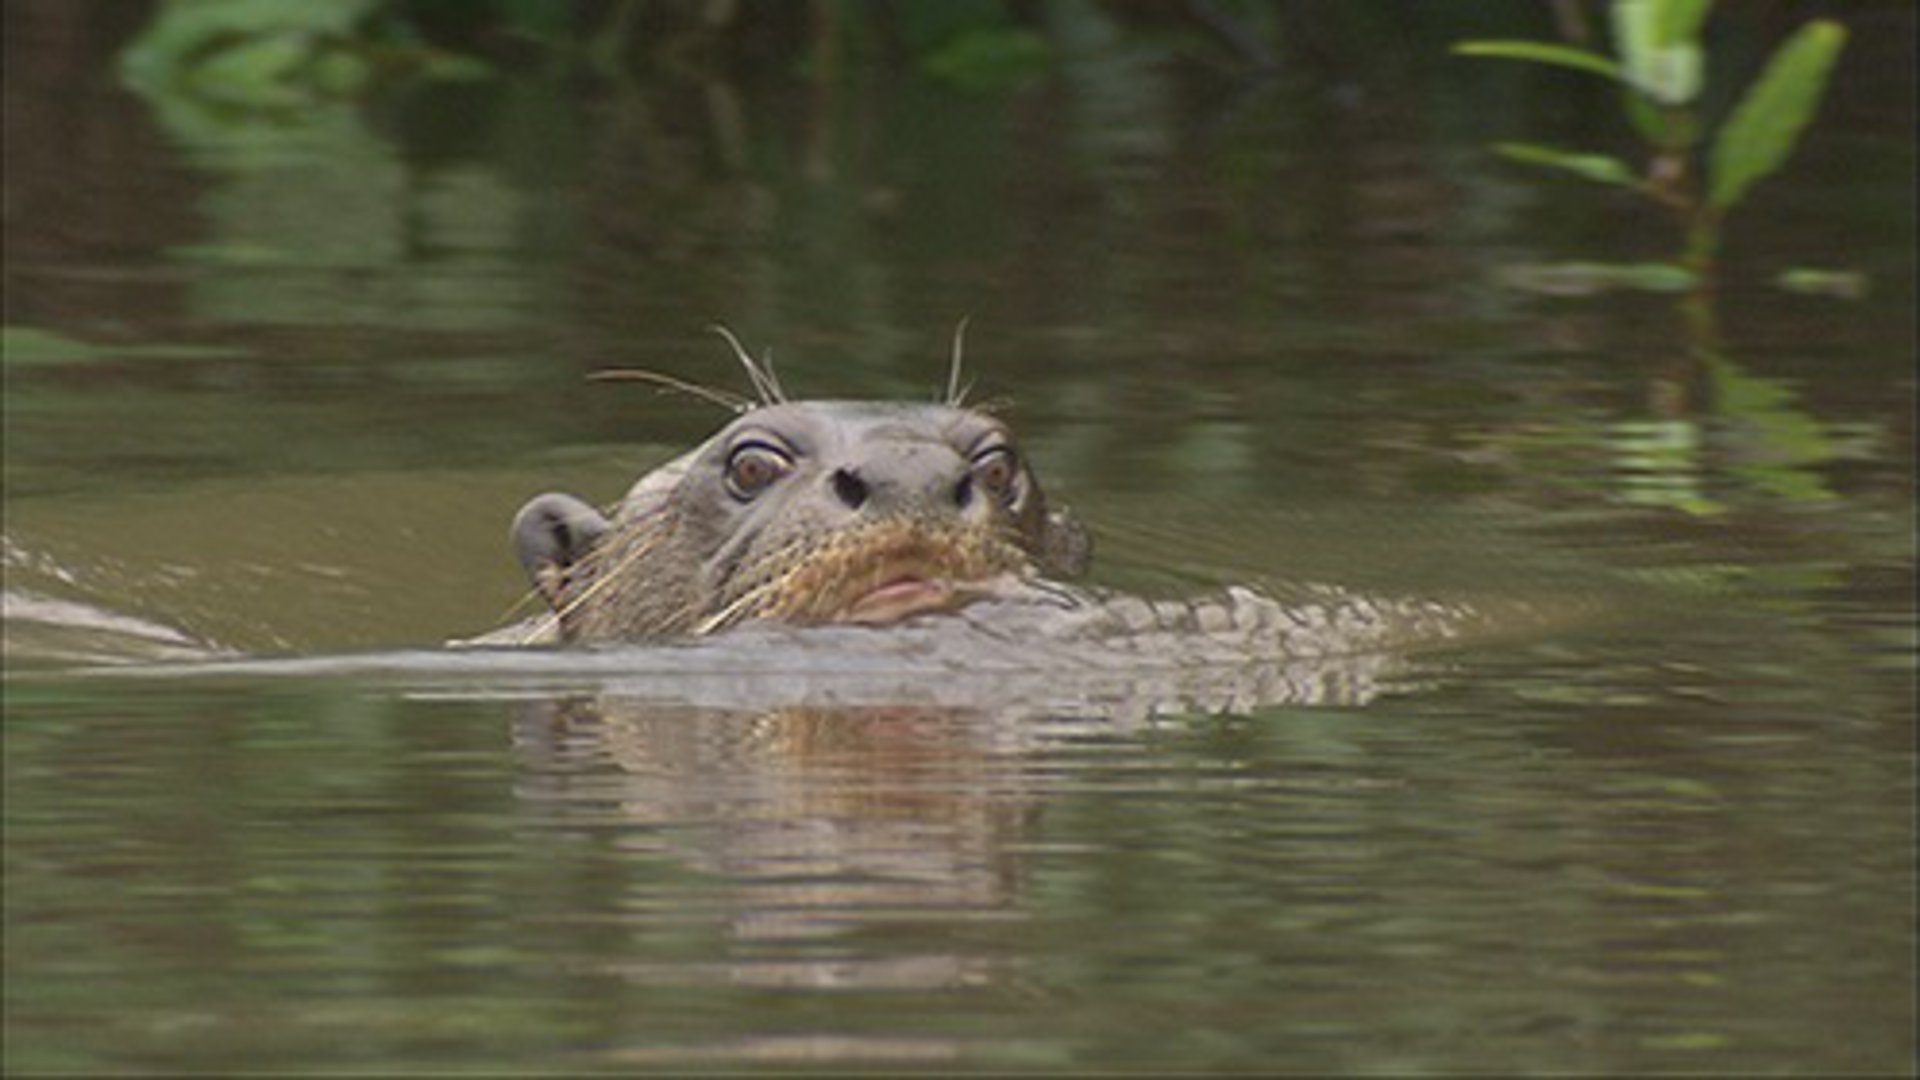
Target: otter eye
x,y
997,471
753,467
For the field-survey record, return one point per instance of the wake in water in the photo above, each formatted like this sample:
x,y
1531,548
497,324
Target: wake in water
x,y
40,630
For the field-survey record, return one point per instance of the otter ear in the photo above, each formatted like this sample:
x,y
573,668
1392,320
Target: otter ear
x,y
1066,547
551,534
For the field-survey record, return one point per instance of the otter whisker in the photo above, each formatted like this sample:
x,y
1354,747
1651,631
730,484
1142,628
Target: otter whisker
x,y
766,584
773,377
534,633
514,608
765,384
726,399
603,578
740,605
538,632
956,393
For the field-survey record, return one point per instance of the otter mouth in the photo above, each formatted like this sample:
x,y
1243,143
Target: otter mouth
x,y
875,575
902,598
888,586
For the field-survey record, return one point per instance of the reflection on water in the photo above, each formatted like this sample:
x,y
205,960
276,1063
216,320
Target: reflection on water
x,y
276,388
1589,855
819,820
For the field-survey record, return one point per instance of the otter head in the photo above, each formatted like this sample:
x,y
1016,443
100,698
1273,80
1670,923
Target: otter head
x,y
806,512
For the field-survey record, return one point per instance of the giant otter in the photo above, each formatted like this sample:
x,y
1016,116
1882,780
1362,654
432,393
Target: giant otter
x,y
804,512
848,512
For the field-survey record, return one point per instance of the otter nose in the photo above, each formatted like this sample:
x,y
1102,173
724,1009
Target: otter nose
x,y
849,488
903,477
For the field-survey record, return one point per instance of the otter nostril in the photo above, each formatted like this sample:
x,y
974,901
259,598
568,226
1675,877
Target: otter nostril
x,y
850,488
963,492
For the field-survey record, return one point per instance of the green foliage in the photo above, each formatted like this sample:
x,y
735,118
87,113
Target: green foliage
x,y
1662,65
254,56
1680,20
1593,278
256,53
1765,126
990,57
1540,52
540,20
1659,47
1596,167
1844,284
1670,130
1778,442
972,43
928,27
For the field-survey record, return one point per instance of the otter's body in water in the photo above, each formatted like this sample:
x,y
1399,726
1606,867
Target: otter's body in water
x,y
805,512
841,512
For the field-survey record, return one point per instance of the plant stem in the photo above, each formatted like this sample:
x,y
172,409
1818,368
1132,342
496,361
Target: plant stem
x,y
1702,223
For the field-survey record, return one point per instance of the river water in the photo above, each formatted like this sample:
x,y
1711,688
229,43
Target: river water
x,y
273,390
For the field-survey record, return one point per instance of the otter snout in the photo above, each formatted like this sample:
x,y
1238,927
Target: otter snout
x,y
917,478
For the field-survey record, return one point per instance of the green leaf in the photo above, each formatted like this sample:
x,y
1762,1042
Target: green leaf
x,y
1596,167
339,73
1809,281
1760,135
1592,279
1540,53
255,73
1665,126
1667,70
1652,122
1678,21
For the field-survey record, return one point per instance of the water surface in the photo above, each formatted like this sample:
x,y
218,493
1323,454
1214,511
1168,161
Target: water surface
x,y
275,393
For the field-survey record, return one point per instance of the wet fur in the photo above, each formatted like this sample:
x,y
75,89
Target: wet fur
x,y
677,558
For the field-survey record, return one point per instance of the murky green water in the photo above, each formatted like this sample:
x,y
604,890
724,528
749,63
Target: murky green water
x,y
279,388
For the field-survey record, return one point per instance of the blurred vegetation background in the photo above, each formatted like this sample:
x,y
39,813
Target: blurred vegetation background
x,y
1204,243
